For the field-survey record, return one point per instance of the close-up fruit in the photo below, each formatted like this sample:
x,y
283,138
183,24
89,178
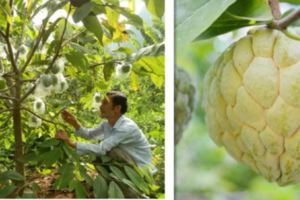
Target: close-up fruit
x,y
39,106
126,68
184,101
46,80
54,79
252,103
55,69
97,97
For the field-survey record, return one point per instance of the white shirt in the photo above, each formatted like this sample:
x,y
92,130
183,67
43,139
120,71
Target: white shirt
x,y
125,134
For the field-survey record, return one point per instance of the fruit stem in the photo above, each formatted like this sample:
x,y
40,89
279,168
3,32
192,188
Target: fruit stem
x,y
285,22
275,9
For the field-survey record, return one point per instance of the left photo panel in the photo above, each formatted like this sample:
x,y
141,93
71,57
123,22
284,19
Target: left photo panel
x,y
82,99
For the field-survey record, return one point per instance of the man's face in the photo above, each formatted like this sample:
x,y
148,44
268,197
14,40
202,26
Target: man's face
x,y
106,108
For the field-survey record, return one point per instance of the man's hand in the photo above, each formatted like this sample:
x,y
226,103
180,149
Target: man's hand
x,y
69,118
61,135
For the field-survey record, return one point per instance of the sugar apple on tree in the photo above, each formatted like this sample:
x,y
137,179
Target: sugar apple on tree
x,y
185,99
252,103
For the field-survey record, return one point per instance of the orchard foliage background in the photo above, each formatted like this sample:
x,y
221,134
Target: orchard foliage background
x,y
63,54
203,170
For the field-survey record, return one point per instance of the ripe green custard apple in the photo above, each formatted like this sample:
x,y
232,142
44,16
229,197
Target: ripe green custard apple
x,y
252,104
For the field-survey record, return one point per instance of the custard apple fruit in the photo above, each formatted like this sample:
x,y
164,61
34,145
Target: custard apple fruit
x,y
185,99
252,104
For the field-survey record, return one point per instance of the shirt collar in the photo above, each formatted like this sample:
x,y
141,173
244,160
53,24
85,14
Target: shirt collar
x,y
118,122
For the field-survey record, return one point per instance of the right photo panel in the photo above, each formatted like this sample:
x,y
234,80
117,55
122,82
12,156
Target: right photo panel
x,y
237,99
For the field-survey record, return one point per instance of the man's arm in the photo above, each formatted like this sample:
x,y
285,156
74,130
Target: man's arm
x,y
81,131
106,145
103,148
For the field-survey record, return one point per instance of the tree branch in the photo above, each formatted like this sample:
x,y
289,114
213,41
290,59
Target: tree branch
x,y
21,35
46,120
54,58
103,63
2,34
7,24
7,110
38,40
7,97
59,46
72,38
10,51
4,125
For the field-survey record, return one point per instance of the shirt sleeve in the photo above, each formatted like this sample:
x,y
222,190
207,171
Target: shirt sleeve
x,y
103,147
91,133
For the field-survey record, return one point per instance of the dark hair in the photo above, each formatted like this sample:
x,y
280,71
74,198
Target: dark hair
x,y
119,98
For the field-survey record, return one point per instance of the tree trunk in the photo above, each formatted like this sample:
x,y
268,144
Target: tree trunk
x,y
17,122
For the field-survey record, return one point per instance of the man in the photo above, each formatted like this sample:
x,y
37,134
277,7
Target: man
x,y
118,131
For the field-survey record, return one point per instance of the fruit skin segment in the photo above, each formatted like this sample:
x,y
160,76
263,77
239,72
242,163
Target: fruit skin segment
x,y
252,103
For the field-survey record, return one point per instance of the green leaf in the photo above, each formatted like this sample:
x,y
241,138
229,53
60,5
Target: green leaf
x,y
157,80
86,177
117,172
77,59
70,152
30,157
49,143
251,9
291,1
81,49
108,69
223,25
102,171
80,191
6,11
51,6
92,24
66,176
156,7
132,18
100,187
11,175
238,15
82,11
52,156
114,191
112,16
153,65
4,192
137,179
35,188
51,28
152,50
134,81
194,17
130,184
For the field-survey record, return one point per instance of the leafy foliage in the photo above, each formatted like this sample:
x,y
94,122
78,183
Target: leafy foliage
x,y
57,55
